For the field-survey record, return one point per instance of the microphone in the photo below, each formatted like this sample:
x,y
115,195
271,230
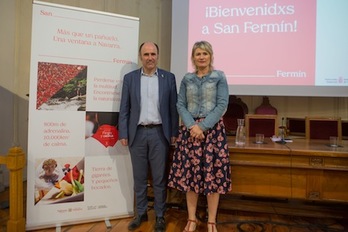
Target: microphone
x,y
282,140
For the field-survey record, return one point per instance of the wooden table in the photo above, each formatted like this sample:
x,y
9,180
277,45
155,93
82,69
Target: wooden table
x,y
302,169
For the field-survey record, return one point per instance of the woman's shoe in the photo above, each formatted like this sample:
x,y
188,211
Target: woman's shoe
x,y
188,225
212,227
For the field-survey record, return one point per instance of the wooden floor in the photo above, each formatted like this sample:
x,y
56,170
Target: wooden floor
x,y
236,213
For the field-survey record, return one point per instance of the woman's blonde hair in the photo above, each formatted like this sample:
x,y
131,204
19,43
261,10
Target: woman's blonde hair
x,y
206,46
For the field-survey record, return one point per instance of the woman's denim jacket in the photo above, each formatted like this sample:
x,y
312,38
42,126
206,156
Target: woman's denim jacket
x,y
205,97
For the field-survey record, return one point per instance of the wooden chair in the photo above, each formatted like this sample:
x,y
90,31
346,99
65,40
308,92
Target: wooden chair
x,y
323,127
236,109
261,124
344,129
296,126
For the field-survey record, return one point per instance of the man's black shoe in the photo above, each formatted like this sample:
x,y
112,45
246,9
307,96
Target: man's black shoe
x,y
136,222
160,225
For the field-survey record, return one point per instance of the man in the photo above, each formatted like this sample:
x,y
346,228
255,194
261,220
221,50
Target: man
x,y
148,124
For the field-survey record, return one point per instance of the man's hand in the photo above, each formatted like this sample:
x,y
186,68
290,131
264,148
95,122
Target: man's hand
x,y
173,140
124,142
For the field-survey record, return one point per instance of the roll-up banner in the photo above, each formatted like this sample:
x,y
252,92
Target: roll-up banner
x,y
77,170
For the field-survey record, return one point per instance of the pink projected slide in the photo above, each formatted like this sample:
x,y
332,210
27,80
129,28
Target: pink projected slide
x,y
258,43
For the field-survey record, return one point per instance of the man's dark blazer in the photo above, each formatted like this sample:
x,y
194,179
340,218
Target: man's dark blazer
x,y
130,105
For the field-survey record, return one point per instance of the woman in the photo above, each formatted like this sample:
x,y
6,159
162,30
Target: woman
x,y
201,160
